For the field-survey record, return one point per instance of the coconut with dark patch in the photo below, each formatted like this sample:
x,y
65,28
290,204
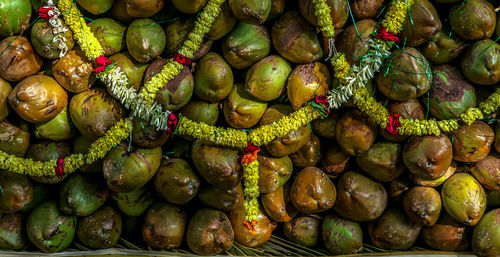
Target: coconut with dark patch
x,y
334,161
325,127
213,78
58,128
136,202
306,82
74,72
422,205
425,23
223,24
101,229
464,198
12,233
94,111
487,172
145,40
5,90
14,17
266,79
303,230
443,47
220,166
312,191
428,157
355,132
295,39
241,109
164,226
126,170
251,11
355,45
81,195
245,45
393,230
406,75
450,94
176,182
382,161
366,9
309,154
146,135
17,192
13,140
341,236
446,235
480,63
18,60
49,229
486,236
473,142
38,98
359,198
473,19
209,232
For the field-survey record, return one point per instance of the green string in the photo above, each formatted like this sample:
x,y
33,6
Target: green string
x,y
353,21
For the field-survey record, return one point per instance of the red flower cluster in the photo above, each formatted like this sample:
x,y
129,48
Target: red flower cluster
x,y
182,59
251,153
102,61
172,123
60,168
393,124
44,12
323,100
251,226
385,35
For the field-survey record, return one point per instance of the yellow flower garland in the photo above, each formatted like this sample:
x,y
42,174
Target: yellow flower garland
x,y
97,150
202,26
322,12
251,191
86,39
396,15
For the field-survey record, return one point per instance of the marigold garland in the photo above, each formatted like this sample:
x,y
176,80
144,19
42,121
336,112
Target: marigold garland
x,y
251,184
322,12
202,26
396,15
97,150
86,39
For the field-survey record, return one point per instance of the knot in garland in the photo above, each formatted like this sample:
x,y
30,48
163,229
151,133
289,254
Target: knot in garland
x,y
46,12
172,122
181,59
393,124
60,168
103,62
322,104
385,35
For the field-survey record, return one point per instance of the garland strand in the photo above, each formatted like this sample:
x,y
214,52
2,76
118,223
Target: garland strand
x,y
84,36
97,150
51,13
202,26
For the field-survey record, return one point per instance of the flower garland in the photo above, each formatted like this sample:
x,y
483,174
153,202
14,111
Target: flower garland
x,y
51,13
86,39
322,12
202,26
251,183
97,150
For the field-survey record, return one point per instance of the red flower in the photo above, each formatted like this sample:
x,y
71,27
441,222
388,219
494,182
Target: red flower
x,y
102,61
44,12
385,35
251,148
99,69
172,123
181,59
323,101
60,168
393,124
